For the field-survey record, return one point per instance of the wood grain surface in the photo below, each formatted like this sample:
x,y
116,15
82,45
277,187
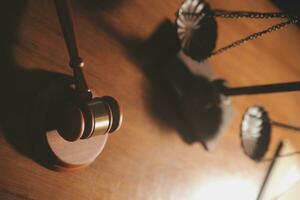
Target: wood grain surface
x,y
147,158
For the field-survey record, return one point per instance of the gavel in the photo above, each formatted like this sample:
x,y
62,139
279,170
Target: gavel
x,y
69,126
84,116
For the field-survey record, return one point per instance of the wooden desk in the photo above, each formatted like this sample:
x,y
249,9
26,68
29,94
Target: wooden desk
x,y
147,159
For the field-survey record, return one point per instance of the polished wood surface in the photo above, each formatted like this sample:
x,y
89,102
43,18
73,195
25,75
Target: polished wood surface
x,y
147,158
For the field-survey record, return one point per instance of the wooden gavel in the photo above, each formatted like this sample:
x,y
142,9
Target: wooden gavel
x,y
84,116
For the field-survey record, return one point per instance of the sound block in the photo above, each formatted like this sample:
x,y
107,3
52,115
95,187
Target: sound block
x,y
50,149
74,155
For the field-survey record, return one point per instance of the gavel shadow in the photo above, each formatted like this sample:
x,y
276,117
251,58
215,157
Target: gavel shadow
x,y
19,87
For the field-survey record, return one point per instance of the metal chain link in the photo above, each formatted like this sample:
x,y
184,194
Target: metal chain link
x,y
251,15
254,36
293,19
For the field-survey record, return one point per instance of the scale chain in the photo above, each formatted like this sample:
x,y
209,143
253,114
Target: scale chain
x,y
251,15
293,19
254,36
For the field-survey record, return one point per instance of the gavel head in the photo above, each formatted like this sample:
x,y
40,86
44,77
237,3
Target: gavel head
x,y
82,119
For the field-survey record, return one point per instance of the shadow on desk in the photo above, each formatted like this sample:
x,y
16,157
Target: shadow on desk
x,y
152,56
18,87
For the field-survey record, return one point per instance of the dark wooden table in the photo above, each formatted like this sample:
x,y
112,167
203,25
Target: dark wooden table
x,y
147,158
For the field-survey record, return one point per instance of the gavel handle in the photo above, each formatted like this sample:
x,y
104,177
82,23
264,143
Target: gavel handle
x,y
65,16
